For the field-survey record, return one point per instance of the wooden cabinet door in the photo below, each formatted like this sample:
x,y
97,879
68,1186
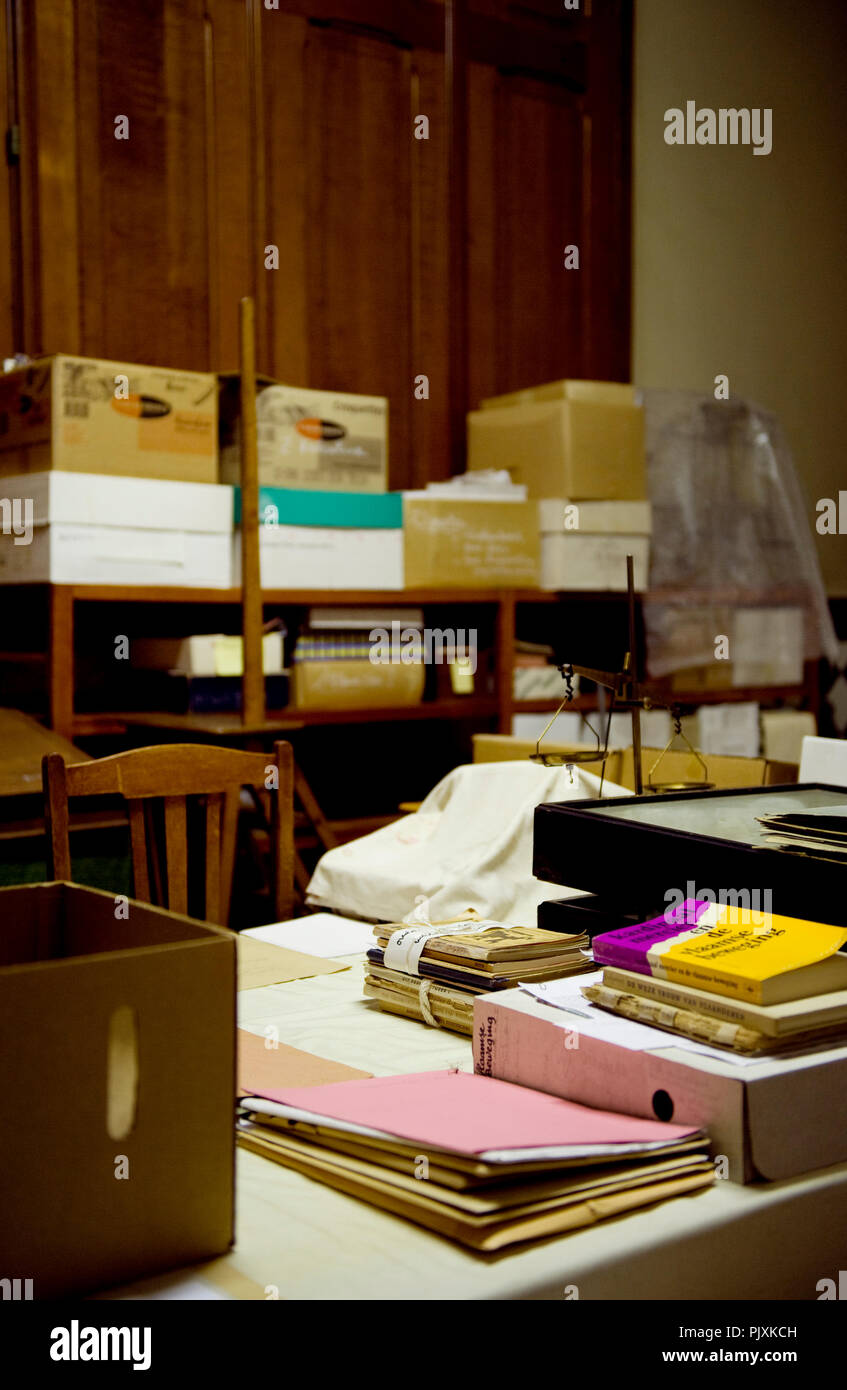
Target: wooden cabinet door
x,y
294,128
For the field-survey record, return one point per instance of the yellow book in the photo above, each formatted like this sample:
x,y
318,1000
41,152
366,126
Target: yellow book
x,y
721,949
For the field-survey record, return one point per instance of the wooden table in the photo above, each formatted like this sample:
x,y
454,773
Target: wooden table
x,y
297,1239
23,743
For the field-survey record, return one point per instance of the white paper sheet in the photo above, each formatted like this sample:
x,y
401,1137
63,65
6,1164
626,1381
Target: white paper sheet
x,y
321,934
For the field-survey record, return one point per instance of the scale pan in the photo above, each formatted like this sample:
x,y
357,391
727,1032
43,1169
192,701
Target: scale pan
x,y
660,787
581,755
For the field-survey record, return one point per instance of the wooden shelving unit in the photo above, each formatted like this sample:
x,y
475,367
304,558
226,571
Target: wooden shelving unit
x,y
496,708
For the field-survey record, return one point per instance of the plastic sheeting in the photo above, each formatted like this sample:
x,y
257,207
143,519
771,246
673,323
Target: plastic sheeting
x,y
731,535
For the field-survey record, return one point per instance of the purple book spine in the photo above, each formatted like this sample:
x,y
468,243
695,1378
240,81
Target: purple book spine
x,y
627,947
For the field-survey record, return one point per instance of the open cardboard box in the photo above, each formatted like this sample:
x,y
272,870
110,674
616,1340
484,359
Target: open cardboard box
x,y
117,1049
674,767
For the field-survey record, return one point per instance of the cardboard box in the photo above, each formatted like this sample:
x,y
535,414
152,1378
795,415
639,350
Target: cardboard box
x,y
537,683
573,561
578,444
88,528
594,392
674,767
584,545
117,1042
86,415
724,772
356,684
771,1119
768,646
699,679
471,545
205,654
330,441
327,540
560,514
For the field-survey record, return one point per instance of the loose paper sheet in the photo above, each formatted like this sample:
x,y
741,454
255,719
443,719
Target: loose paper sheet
x,y
265,1063
321,934
262,964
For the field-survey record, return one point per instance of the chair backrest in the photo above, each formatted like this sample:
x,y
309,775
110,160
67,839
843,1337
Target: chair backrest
x,y
170,774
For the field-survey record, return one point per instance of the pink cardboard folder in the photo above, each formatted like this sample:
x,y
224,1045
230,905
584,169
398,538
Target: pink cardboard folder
x,y
472,1114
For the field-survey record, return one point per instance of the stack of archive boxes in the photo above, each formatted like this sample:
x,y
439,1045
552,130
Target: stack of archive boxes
x,y
578,448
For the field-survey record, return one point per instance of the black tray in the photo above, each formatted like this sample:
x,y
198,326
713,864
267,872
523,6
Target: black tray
x,y
632,849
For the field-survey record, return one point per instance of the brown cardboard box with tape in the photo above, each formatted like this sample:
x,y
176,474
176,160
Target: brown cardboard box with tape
x,y
575,439
87,415
324,441
477,544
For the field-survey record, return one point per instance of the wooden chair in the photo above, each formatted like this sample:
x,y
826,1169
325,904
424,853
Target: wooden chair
x,y
171,774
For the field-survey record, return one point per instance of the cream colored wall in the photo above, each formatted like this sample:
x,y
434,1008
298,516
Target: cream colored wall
x,y
740,260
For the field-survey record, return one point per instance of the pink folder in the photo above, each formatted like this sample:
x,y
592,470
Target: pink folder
x,y
472,1114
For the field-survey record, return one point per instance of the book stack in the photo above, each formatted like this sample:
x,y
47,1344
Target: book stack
x,y
477,1160
434,978
752,983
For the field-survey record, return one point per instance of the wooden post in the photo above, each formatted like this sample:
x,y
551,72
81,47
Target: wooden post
x,y
635,677
505,660
456,79
253,680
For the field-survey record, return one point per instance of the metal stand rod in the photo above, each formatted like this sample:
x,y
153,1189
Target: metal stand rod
x,y
635,677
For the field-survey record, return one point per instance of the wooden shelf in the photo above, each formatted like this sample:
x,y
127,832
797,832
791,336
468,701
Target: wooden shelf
x,y
499,606
219,725
340,598
472,707
279,721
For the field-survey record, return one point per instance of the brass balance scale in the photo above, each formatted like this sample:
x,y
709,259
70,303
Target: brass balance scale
x,y
628,692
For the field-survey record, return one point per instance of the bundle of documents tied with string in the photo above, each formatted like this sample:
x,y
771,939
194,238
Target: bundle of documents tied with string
x,y
478,1160
751,982
432,972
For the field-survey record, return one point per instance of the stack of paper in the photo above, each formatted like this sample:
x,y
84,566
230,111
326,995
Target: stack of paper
x,y
820,832
727,976
433,973
478,1160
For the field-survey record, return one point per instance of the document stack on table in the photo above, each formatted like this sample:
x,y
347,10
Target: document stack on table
x,y
432,973
747,981
478,1160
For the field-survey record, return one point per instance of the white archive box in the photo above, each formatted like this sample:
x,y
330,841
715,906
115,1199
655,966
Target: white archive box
x,y
91,528
327,557
584,545
772,1118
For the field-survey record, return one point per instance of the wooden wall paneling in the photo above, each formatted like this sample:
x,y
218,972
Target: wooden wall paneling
x,y
11,326
283,217
358,159
486,320
232,236
537,213
48,209
456,82
431,307
609,88
95,306
258,173
144,244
